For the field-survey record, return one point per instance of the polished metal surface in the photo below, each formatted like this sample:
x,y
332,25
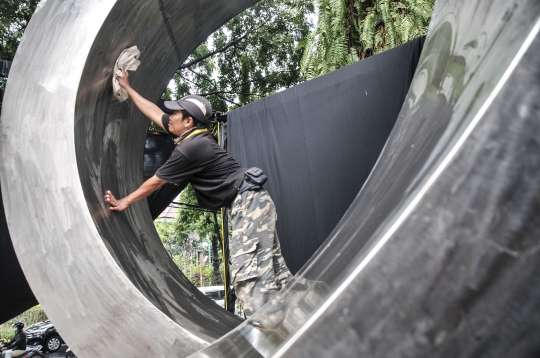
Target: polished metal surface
x,y
105,280
437,256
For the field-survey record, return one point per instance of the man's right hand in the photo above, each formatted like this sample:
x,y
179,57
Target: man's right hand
x,y
124,80
115,204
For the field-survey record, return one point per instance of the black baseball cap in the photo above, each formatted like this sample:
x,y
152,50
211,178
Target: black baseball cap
x,y
197,106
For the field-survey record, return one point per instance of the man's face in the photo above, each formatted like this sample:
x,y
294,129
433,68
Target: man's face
x,y
178,124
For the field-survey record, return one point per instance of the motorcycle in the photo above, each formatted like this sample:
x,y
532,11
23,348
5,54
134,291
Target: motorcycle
x,y
31,351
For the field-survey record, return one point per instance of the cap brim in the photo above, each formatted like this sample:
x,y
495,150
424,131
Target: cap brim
x,y
173,105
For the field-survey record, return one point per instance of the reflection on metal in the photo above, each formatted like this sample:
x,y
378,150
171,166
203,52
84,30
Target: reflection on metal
x,y
105,280
439,246
435,249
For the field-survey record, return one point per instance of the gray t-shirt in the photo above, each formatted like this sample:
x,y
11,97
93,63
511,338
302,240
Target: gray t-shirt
x,y
212,172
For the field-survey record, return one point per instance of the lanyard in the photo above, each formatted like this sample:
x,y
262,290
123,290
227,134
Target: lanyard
x,y
194,133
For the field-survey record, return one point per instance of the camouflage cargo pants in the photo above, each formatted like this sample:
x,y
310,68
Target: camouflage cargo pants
x,y
258,268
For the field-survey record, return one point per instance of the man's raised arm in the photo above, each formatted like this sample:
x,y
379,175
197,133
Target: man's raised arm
x,y
149,109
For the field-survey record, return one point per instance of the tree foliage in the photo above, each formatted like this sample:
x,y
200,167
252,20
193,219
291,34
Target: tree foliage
x,y
29,317
205,224
14,18
192,219
185,252
195,231
255,54
350,30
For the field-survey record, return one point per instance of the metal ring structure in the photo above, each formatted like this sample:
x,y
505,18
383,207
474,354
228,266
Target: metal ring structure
x,y
437,256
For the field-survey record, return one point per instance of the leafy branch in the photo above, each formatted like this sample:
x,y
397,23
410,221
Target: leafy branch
x,y
206,78
220,50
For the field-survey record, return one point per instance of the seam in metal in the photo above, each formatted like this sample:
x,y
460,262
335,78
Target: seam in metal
x,y
167,24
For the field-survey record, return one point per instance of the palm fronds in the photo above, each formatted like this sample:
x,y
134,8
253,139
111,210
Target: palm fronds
x,y
349,30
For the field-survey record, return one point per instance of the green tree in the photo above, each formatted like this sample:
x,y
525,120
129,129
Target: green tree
x,y
192,219
29,317
184,247
255,54
169,237
351,30
14,17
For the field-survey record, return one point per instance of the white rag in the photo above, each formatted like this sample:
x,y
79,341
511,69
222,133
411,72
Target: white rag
x,y
129,59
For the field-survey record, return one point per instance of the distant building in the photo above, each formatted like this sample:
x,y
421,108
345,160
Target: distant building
x,y
170,213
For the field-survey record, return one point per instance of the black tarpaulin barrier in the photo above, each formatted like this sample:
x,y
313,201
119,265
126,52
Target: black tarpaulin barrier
x,y
5,66
157,150
318,142
15,294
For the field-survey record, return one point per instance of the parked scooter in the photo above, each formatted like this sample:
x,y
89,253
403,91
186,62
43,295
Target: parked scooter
x,y
70,354
31,351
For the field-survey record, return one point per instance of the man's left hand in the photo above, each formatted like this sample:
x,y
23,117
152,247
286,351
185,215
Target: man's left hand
x,y
116,204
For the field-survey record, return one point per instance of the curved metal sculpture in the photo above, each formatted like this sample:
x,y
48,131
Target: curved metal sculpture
x,y
437,256
108,271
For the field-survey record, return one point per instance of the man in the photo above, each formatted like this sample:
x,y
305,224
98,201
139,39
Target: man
x,y
18,344
258,268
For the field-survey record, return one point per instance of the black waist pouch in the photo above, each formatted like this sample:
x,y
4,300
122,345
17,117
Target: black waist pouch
x,y
254,179
255,176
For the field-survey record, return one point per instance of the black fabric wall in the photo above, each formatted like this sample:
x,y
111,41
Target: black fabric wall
x,y
157,150
5,66
318,142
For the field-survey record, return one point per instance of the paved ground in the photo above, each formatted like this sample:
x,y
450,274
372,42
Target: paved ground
x,y
61,353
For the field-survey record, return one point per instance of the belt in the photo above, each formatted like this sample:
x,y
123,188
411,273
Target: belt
x,y
248,186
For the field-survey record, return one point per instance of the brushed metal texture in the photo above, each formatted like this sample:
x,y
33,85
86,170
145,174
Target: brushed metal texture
x,y
105,280
437,256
